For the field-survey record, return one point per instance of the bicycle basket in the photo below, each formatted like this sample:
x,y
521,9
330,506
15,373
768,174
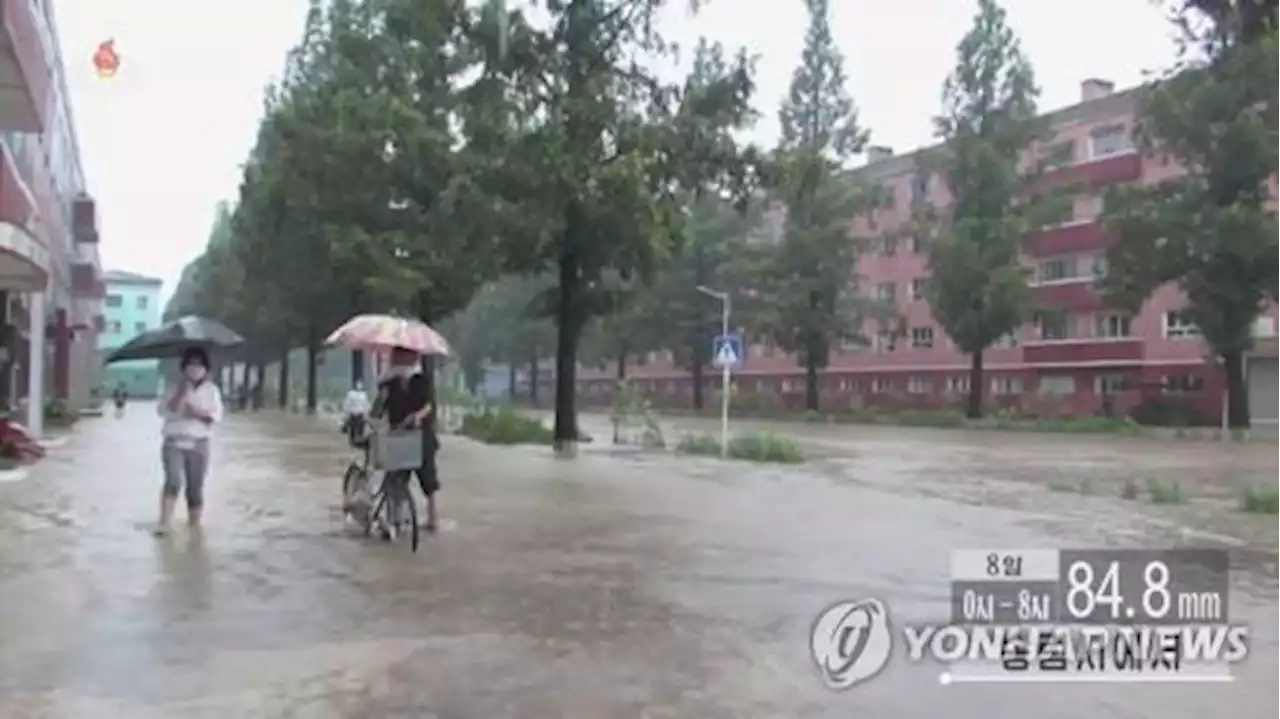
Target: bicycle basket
x,y
397,449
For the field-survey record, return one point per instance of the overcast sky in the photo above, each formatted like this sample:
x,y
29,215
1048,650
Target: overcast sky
x,y
163,141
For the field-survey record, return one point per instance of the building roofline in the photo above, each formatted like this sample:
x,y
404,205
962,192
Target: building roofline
x,y
1110,105
124,277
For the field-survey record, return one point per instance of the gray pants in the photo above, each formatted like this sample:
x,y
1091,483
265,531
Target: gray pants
x,y
185,466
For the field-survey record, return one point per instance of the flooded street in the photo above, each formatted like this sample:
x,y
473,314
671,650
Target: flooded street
x,y
617,585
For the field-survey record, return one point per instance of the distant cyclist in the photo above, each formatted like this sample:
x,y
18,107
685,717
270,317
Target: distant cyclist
x,y
355,413
120,396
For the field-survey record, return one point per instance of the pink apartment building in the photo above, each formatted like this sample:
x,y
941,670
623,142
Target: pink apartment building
x,y
1071,357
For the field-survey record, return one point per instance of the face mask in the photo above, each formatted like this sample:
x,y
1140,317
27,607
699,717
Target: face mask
x,y
196,373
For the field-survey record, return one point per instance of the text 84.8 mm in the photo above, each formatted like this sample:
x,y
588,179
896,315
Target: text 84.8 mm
x,y
1143,587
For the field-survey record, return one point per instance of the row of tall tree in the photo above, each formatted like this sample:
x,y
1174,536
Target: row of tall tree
x,y
537,187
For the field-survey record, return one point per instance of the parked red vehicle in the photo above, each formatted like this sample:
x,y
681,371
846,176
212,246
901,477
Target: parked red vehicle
x,y
17,443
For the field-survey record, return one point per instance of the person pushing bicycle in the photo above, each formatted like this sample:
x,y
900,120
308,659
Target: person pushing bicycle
x,y
404,399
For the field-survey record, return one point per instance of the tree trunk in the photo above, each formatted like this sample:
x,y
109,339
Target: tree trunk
x,y
259,374
565,433
698,349
533,379
511,380
357,366
313,364
283,390
811,402
1237,390
973,408
620,366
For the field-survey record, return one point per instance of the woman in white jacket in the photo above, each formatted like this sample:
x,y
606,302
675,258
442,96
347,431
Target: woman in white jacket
x,y
189,413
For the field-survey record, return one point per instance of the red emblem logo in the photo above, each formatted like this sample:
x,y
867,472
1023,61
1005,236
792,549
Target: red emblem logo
x,y
106,60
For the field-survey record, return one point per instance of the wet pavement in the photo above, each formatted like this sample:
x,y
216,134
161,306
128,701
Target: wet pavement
x,y
616,585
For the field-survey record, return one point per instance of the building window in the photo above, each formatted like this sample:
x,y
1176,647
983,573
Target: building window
x,y
919,243
1182,384
1109,140
888,246
1111,326
1178,324
884,341
1057,385
139,327
922,337
1109,383
1099,267
1055,326
789,385
1005,342
1059,154
879,384
919,385
141,302
113,327
888,197
919,189
114,301
844,384
1006,385
851,345
959,384
1264,328
917,289
885,291
1058,268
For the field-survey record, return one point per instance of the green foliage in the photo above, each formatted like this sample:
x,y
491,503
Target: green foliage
x,y
631,413
504,426
595,162
1165,492
978,286
1160,412
58,413
1261,500
750,446
1212,231
359,194
808,297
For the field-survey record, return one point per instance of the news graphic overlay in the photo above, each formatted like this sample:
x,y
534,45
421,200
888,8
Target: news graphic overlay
x,y
1091,615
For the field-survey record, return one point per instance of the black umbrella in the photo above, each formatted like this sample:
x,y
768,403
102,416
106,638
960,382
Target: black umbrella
x,y
172,338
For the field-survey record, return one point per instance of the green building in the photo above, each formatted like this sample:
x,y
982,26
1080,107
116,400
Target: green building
x,y
131,306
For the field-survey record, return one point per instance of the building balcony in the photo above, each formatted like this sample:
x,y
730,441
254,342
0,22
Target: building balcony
x,y
1074,295
86,281
1068,239
1092,350
25,61
1097,174
84,220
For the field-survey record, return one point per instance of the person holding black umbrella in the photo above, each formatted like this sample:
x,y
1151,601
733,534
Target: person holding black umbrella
x,y
189,413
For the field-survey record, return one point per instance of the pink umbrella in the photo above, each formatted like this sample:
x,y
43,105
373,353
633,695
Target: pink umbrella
x,y
384,332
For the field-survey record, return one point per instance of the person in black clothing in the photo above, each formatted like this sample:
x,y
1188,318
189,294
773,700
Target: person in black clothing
x,y
404,398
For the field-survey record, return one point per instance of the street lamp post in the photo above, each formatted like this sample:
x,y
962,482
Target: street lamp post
x,y
726,306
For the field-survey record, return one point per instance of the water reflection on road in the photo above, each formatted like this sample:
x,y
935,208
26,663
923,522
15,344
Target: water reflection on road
x,y
612,586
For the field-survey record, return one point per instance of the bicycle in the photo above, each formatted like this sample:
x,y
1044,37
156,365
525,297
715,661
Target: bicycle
x,y
390,508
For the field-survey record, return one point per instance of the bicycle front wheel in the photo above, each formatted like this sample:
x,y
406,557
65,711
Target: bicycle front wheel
x,y
407,513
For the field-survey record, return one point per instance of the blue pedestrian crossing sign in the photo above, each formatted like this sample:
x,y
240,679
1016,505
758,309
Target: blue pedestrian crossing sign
x,y
727,351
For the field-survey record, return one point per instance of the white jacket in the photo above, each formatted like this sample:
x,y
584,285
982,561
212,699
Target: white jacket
x,y
205,397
